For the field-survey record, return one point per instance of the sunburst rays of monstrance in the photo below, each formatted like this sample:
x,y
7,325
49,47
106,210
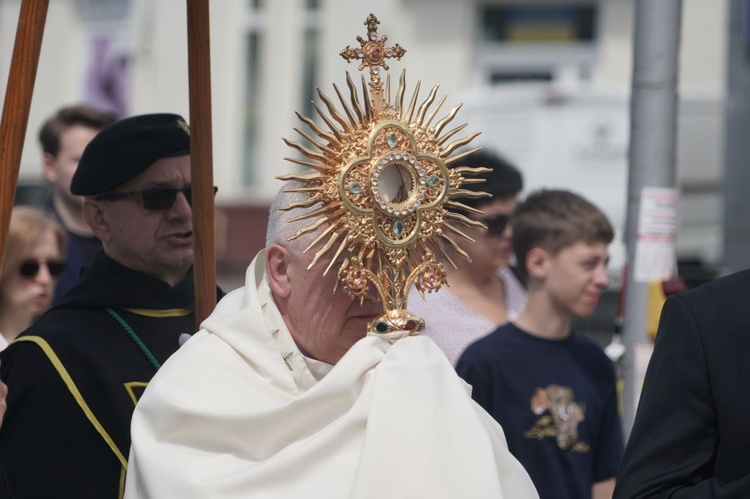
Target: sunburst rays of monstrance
x,y
387,181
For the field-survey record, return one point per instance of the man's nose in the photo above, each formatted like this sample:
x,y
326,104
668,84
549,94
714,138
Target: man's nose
x,y
601,277
181,208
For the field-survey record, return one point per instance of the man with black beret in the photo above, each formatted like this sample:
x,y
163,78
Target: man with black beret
x,y
75,376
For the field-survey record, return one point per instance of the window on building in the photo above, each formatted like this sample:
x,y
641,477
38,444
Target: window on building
x,y
529,23
256,24
534,41
254,39
311,55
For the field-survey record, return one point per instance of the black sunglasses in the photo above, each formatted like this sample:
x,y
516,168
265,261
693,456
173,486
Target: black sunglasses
x,y
154,198
496,224
30,268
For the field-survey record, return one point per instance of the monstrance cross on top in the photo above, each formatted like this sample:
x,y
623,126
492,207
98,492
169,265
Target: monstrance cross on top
x,y
384,185
373,51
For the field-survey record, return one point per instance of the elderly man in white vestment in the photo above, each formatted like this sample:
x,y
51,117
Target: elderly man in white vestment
x,y
283,395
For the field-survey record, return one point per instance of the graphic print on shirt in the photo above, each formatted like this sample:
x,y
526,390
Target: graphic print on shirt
x,y
559,417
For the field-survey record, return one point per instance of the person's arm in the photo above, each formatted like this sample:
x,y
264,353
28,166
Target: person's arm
x,y
673,445
603,489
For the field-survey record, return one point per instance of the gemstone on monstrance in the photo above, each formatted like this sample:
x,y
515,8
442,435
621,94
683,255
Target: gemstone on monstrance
x,y
433,181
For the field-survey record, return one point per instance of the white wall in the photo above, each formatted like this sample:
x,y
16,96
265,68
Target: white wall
x,y
703,46
439,36
60,74
160,82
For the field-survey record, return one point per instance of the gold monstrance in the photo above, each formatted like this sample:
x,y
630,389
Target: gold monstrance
x,y
383,180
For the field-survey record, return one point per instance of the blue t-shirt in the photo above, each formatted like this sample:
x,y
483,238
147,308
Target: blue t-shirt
x,y
557,403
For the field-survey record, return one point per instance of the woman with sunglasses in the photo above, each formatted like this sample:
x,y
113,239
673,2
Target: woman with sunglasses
x,y
484,293
33,261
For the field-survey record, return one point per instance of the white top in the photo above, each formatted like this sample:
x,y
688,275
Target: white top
x,y
238,412
452,325
3,343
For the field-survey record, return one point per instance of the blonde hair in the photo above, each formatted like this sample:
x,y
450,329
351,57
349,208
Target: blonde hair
x,y
27,224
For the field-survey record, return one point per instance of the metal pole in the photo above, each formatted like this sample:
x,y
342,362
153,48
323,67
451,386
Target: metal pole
x,y
653,124
737,174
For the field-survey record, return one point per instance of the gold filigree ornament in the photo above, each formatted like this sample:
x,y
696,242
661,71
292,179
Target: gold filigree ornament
x,y
383,177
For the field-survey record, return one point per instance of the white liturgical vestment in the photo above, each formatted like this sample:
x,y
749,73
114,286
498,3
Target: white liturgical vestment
x,y
238,412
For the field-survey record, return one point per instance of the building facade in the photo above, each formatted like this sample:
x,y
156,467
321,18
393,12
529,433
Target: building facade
x,y
546,81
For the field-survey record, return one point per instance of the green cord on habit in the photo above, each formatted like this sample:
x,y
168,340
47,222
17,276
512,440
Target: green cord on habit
x,y
135,337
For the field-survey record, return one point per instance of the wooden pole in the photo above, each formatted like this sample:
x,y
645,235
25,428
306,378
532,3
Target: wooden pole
x,y
15,117
201,157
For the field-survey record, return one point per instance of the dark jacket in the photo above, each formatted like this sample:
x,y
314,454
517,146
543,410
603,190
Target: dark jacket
x,y
80,254
70,436
691,437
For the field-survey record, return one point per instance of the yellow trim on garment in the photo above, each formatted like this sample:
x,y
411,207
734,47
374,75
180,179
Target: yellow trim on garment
x,y
129,388
123,474
47,349
160,314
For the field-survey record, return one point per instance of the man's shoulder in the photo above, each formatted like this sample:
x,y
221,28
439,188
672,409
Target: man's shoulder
x,y
63,318
717,309
197,368
732,286
591,351
583,342
55,340
501,334
60,328
489,345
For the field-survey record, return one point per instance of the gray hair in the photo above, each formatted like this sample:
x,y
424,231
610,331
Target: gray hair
x,y
280,227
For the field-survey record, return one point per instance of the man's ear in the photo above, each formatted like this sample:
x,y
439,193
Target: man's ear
x,y
537,262
278,261
48,168
94,214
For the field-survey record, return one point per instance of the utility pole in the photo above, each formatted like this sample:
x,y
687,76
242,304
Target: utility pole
x,y
653,127
737,146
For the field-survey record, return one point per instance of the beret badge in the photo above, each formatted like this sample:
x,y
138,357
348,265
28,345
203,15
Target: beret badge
x,y
183,126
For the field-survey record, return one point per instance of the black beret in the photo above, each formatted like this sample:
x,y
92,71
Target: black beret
x,y
125,148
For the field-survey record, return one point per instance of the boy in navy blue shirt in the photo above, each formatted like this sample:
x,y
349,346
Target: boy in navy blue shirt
x,y
552,390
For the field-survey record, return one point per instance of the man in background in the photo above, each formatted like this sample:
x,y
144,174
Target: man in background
x,y
691,433
551,389
63,138
75,376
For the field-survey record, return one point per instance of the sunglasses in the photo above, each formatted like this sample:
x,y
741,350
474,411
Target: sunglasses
x,y
154,198
496,224
30,268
